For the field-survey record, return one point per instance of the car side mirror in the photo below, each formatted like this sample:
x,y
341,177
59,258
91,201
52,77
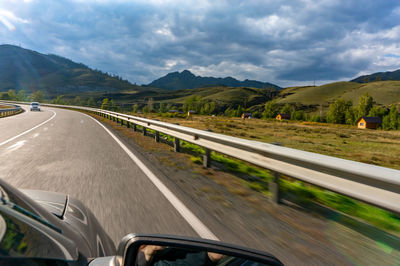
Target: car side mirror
x,y
144,250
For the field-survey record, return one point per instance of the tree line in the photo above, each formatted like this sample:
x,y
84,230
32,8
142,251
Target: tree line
x,y
341,112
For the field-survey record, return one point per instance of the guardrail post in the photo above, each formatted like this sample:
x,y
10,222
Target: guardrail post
x,y
128,125
274,188
134,127
207,158
113,118
177,146
157,136
122,122
144,131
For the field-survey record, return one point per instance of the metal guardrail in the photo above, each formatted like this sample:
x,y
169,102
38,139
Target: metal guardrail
x,y
376,185
14,109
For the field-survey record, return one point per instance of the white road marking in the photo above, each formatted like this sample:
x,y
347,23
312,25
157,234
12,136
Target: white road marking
x,y
193,221
29,130
17,145
35,135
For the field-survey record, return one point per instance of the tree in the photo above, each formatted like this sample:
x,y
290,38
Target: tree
x,y
12,95
270,109
286,109
393,116
377,111
351,116
135,108
230,112
386,122
113,106
150,106
59,100
212,107
365,104
78,101
105,104
298,115
37,96
239,111
337,111
21,96
391,120
91,102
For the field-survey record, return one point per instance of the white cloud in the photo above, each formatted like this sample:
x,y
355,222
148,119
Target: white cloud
x,y
9,19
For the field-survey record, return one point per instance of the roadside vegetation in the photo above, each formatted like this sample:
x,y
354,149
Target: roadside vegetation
x,y
308,196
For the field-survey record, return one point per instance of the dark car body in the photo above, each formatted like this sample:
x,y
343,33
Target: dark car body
x,y
48,228
40,225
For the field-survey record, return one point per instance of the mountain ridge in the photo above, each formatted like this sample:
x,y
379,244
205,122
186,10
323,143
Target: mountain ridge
x,y
378,76
187,80
26,69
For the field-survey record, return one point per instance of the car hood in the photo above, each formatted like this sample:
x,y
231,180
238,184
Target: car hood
x,y
75,215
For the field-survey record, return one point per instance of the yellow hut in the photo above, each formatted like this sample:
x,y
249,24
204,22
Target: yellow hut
x,y
369,122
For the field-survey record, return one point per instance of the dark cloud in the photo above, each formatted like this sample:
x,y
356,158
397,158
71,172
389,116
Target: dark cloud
x,y
284,43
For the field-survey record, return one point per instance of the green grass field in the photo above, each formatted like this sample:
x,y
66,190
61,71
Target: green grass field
x,y
376,147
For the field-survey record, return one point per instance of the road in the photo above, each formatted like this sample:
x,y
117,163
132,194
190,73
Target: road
x,y
70,152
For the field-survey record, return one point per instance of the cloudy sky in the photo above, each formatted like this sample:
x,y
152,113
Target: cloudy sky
x,y
283,42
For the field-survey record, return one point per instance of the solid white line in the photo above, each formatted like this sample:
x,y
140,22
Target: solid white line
x,y
29,130
193,221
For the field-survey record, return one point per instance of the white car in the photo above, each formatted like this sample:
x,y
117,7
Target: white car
x,y
35,106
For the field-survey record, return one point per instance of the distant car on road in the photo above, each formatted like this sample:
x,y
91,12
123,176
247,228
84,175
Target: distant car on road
x,y
35,106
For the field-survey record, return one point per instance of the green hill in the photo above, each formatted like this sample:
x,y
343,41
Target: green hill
x,y
383,92
29,70
223,96
227,96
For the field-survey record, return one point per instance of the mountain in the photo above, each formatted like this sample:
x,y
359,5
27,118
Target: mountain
x,y
186,80
390,75
29,70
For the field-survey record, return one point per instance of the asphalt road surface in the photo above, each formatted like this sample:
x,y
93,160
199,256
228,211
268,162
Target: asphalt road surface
x,y
70,152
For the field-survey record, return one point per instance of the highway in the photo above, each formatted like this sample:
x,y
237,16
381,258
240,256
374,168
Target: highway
x,y
70,152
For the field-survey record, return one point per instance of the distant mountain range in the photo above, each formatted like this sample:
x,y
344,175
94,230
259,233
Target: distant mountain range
x,y
29,70
390,75
187,80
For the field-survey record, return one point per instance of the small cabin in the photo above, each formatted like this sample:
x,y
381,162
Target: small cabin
x,y
369,122
246,115
173,111
282,116
191,112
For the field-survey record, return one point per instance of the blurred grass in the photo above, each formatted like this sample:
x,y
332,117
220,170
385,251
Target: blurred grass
x,y
257,179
